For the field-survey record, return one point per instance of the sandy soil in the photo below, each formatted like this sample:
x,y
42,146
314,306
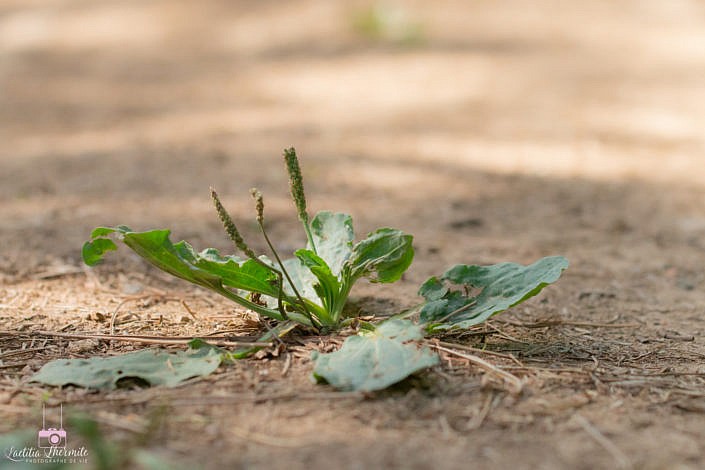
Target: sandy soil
x,y
491,131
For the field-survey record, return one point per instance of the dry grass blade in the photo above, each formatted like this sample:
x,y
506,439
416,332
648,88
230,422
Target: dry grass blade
x,y
515,384
19,351
481,351
613,450
480,418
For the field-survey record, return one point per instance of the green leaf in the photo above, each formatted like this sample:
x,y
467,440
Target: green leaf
x,y
384,255
207,269
377,359
247,275
154,366
93,251
327,287
333,236
105,231
302,278
502,286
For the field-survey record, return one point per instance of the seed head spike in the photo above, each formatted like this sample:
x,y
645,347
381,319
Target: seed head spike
x,y
296,181
259,201
230,227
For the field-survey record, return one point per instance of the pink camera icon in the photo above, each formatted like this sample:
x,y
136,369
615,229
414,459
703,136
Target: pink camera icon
x,y
51,437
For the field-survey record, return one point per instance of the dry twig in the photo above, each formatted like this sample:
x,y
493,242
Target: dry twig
x,y
481,351
621,459
515,384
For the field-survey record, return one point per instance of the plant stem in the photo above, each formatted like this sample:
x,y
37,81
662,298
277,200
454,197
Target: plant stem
x,y
309,235
278,331
249,304
288,278
259,201
239,242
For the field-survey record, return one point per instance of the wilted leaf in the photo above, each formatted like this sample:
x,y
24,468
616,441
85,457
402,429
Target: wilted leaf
x,y
376,359
502,286
154,366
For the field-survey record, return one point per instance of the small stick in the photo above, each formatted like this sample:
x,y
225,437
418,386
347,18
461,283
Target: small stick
x,y
114,315
287,365
19,351
260,221
482,415
514,381
558,370
188,309
482,351
505,335
613,450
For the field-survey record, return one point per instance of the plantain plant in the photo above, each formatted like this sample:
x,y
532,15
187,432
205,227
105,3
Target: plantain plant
x,y
311,289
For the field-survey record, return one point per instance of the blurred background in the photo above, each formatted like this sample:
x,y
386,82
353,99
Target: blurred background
x,y
491,130
120,111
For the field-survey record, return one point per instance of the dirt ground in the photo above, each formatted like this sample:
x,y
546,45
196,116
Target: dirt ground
x,y
492,131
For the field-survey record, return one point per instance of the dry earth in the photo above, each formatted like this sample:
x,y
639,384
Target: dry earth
x,y
492,131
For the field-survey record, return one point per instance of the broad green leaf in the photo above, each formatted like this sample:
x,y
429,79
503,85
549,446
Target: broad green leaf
x,y
327,286
247,275
178,259
502,286
154,366
302,278
377,359
333,236
207,269
384,255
